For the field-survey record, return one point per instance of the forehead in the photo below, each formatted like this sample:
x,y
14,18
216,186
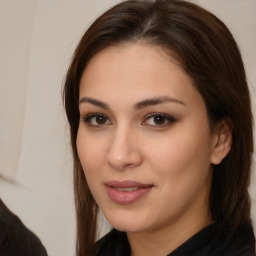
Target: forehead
x,y
134,70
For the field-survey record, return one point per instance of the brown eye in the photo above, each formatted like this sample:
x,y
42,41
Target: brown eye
x,y
97,120
101,120
159,120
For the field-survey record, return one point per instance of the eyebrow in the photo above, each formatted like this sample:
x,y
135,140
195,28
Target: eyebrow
x,y
97,103
139,105
157,100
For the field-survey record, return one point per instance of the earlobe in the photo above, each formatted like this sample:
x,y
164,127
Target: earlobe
x,y
222,142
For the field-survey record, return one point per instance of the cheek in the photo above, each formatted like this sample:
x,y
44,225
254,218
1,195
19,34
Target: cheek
x,y
181,167
91,153
182,153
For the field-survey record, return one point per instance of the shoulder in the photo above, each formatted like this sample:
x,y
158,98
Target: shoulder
x,y
240,243
211,242
113,243
15,238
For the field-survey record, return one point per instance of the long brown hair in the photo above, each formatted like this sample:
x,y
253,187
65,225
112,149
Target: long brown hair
x,y
209,54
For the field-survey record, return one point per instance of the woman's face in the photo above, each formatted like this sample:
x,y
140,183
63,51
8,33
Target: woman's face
x,y
144,140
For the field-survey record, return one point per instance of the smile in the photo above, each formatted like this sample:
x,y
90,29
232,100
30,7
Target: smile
x,y
126,189
127,192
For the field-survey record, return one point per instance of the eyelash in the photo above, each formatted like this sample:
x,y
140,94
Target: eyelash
x,y
88,119
168,120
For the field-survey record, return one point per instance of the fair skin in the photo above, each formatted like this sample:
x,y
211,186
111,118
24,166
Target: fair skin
x,y
145,146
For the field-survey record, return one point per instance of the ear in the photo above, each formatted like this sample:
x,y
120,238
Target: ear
x,y
222,142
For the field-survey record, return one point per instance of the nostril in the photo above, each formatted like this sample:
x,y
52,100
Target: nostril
x,y
123,152
126,161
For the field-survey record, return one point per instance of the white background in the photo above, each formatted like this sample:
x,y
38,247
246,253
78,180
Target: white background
x,y
37,39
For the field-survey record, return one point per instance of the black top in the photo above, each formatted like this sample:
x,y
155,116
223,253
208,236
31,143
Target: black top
x,y
206,242
15,238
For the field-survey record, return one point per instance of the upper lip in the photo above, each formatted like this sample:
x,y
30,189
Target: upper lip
x,y
126,184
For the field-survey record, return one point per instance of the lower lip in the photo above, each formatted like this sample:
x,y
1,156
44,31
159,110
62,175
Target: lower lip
x,y
129,197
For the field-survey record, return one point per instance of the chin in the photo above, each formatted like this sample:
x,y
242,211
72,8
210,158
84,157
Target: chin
x,y
128,222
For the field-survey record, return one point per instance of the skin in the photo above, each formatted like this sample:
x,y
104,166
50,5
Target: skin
x,y
127,140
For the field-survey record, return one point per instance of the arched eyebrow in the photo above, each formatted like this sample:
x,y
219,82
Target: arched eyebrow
x,y
157,100
95,102
138,105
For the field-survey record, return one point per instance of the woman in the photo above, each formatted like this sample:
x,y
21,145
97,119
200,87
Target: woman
x,y
161,132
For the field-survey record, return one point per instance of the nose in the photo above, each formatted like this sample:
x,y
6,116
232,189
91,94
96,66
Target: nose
x,y
124,151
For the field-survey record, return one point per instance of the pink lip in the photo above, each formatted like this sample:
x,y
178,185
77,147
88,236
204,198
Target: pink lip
x,y
113,188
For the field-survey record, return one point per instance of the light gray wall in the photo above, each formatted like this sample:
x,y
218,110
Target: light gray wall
x,y
37,39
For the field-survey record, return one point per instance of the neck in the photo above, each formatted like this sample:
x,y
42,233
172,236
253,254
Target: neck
x,y
166,239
